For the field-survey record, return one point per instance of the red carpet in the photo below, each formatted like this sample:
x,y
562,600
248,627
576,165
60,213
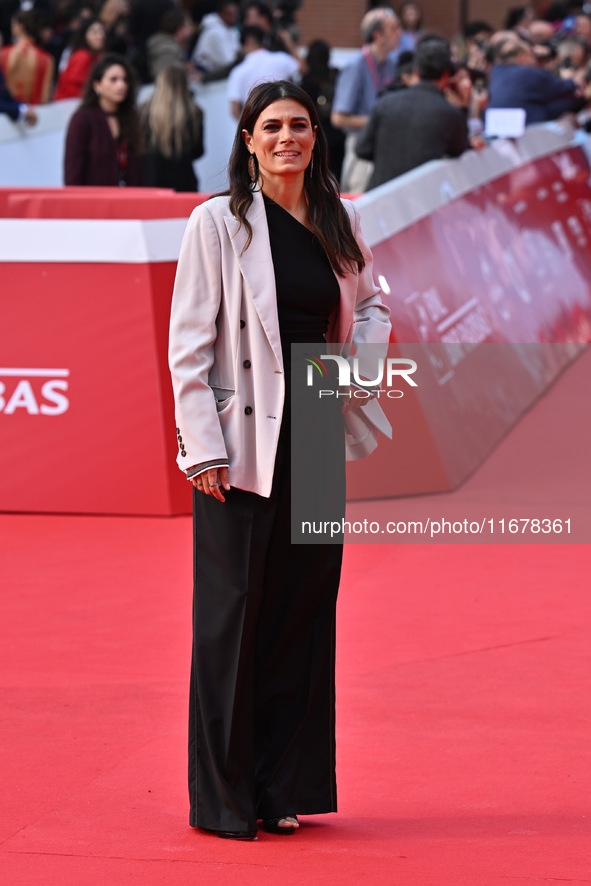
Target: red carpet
x,y
464,687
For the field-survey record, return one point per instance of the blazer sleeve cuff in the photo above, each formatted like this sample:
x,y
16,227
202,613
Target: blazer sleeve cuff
x,y
204,466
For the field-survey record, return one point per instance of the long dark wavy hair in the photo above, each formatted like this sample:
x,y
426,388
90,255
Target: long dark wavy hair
x,y
328,217
126,113
79,38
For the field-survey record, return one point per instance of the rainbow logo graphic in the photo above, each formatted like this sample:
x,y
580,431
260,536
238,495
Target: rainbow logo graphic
x,y
315,363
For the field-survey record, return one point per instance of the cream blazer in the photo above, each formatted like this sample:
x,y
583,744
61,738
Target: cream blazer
x,y
225,350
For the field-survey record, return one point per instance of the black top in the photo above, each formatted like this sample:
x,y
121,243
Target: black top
x,y
174,172
307,288
169,172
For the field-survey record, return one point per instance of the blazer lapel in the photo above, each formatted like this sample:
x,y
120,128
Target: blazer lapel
x,y
256,267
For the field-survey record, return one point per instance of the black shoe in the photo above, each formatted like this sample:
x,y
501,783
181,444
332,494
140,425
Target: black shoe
x,y
272,826
233,835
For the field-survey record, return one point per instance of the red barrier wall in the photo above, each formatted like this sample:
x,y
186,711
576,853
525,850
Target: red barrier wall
x,y
509,261
86,411
87,419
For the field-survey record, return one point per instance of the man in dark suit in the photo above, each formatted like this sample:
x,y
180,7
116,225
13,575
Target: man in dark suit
x,y
411,126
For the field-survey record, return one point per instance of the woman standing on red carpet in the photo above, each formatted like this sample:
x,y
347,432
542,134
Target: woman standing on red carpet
x,y
278,259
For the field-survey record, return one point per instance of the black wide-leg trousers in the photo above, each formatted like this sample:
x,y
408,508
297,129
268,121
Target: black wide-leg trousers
x,y
261,725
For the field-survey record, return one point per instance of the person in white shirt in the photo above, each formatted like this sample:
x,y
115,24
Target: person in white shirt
x,y
259,66
218,45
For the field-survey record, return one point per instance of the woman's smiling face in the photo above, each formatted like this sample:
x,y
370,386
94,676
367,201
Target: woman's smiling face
x,y
282,139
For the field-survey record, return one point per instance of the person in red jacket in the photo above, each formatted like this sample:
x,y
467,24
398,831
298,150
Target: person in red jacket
x,y
87,49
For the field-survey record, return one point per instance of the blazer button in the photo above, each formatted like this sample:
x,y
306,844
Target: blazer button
x,y
248,410
183,453
247,364
242,324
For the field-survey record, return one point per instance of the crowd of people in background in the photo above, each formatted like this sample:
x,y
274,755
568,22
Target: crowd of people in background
x,y
408,96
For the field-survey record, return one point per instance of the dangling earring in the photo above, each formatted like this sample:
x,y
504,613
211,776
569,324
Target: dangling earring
x,y
253,168
312,165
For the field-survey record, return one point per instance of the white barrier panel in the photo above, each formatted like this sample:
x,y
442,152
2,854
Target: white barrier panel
x,y
82,241
34,156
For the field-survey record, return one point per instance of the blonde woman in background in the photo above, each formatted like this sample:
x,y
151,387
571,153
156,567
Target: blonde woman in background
x,y
173,128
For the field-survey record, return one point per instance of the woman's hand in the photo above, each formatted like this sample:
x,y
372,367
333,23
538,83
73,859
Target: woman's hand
x,y
356,398
212,481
